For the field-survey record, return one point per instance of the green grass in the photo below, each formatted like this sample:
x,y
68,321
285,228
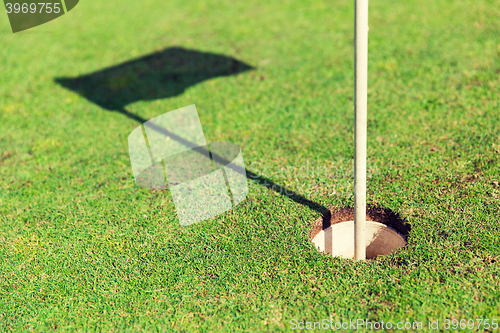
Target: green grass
x,y
83,248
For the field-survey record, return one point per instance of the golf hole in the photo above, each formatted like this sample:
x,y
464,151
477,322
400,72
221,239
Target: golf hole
x,y
385,231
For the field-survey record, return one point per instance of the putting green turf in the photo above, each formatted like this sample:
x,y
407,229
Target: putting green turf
x,y
84,248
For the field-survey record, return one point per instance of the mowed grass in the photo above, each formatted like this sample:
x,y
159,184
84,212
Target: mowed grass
x,y
83,248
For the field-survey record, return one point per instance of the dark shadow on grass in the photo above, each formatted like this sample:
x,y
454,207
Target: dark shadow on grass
x,y
162,74
166,74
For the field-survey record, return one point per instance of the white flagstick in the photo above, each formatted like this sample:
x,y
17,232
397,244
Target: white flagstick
x,y
360,106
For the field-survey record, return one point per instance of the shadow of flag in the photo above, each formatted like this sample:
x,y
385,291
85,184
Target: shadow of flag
x,y
164,74
159,75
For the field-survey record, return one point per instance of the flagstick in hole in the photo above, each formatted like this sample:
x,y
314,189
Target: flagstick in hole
x,y
360,106
356,237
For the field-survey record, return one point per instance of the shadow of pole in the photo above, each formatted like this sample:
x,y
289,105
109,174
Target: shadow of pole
x,y
249,174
